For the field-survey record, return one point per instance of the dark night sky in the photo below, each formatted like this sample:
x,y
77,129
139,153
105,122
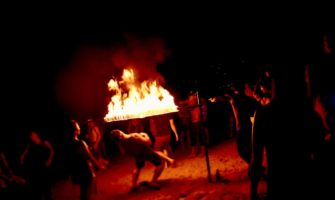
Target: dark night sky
x,y
37,49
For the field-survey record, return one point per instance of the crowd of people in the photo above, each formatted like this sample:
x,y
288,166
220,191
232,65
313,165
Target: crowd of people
x,y
283,123
84,155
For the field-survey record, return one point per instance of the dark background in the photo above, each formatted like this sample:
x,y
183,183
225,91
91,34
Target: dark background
x,y
206,52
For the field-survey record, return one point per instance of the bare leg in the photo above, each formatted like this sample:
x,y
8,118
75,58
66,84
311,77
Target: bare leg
x,y
136,174
182,139
86,191
166,154
202,150
158,171
170,154
193,151
188,132
164,157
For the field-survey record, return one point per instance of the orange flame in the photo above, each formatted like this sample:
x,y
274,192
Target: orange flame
x,y
134,100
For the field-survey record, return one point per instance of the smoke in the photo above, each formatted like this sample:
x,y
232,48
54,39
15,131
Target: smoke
x,y
82,86
143,54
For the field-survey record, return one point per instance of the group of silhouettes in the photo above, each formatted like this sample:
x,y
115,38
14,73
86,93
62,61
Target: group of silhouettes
x,y
285,126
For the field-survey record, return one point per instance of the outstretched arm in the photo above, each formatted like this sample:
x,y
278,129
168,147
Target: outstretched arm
x,y
9,175
174,129
98,133
6,165
235,111
23,156
91,157
51,155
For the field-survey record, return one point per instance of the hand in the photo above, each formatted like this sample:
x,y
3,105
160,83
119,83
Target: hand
x,y
48,163
22,160
328,137
216,99
213,99
230,98
19,180
101,166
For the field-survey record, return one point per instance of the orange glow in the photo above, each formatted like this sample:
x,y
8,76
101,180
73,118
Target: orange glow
x,y
137,100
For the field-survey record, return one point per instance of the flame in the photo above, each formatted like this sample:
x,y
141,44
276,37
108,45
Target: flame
x,y
137,100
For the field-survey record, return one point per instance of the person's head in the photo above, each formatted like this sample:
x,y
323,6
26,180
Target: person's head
x,y
34,137
90,123
192,97
117,134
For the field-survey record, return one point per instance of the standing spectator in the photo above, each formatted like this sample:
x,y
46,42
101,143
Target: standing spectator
x,y
163,128
95,142
82,163
199,129
37,159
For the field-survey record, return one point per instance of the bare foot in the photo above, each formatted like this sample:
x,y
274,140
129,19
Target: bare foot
x,y
154,185
172,161
173,164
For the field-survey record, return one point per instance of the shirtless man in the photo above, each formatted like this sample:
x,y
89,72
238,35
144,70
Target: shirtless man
x,y
138,145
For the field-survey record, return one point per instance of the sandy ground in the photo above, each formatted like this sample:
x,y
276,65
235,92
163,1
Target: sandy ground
x,y
188,180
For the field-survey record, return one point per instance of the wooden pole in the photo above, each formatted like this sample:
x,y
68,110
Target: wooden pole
x,y
204,137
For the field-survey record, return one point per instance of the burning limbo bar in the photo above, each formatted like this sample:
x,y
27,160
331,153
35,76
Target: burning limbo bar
x,y
147,99
137,100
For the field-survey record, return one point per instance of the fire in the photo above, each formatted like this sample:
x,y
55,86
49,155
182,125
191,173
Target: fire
x,y
137,100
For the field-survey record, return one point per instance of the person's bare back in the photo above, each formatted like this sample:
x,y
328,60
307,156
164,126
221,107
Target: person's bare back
x,y
138,138
141,137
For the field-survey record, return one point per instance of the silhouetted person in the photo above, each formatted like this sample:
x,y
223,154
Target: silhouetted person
x,y
243,106
163,128
94,138
37,159
9,182
95,142
82,163
282,129
321,89
184,124
199,129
